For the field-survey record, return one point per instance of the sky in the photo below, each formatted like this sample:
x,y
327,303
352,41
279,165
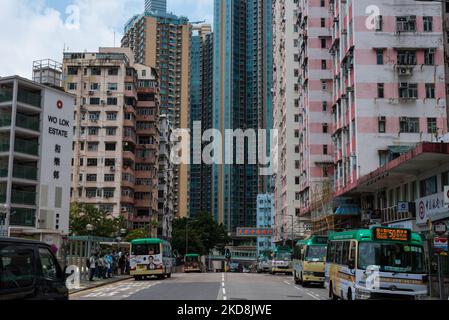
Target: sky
x,y
40,29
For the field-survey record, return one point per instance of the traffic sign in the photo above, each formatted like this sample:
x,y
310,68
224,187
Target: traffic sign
x,y
440,245
440,228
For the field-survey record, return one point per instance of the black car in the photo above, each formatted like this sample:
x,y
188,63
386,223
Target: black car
x,y
30,271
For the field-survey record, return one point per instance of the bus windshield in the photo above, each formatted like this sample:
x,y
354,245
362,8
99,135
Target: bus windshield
x,y
392,257
146,249
283,256
192,259
316,253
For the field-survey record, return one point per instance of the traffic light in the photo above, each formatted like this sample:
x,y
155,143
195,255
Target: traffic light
x,y
228,254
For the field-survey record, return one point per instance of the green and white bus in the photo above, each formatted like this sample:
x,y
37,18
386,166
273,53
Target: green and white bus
x,y
309,260
379,264
150,257
281,261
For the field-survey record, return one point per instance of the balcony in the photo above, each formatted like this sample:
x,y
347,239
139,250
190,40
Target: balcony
x,y
391,214
23,217
23,197
25,172
6,95
5,120
33,99
26,147
27,122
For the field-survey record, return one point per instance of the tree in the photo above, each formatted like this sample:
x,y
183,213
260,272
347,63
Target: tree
x,y
104,224
204,234
137,234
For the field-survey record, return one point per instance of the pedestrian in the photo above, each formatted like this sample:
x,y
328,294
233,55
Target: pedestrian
x,y
122,264
127,263
92,266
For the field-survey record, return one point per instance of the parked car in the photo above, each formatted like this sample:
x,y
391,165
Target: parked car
x,y
30,271
236,267
263,265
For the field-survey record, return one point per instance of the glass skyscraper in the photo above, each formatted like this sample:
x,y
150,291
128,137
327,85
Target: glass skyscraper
x,y
243,66
159,6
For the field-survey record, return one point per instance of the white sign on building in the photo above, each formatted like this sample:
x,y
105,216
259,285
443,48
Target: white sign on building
x,y
431,207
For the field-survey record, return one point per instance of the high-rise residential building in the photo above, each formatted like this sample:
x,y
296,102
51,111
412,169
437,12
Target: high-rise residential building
x,y
35,157
116,127
201,83
165,186
286,115
243,67
156,6
384,85
162,41
48,72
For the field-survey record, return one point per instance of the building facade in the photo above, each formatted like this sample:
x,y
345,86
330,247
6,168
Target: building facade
x,y
165,186
116,129
242,99
200,113
35,159
162,41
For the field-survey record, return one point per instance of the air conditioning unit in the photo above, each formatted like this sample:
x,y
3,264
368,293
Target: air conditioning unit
x,y
103,102
109,93
91,93
112,169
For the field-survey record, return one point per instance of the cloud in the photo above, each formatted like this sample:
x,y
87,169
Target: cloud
x,y
36,31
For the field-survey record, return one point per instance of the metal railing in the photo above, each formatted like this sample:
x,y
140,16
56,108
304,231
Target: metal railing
x,y
25,172
391,214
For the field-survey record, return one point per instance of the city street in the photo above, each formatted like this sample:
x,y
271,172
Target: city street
x,y
210,286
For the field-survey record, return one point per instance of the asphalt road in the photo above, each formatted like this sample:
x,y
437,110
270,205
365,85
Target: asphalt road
x,y
207,286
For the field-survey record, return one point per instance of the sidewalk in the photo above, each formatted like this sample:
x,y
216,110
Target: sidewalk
x,y
87,285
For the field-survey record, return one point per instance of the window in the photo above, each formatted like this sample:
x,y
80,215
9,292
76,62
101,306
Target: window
x,y
297,180
110,146
323,85
325,149
91,178
428,24
94,101
323,43
113,72
111,116
323,22
108,193
72,71
109,162
112,101
95,86
382,124
111,131
379,23
428,187
112,86
407,57
430,90
322,3
325,172
380,90
72,86
409,125
93,131
94,116
16,267
93,162
429,57
432,125
380,56
91,193
296,133
408,90
92,146
296,118
324,106
406,24
325,128
323,64
95,71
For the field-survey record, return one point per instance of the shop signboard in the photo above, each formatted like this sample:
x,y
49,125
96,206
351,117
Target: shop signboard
x,y
431,207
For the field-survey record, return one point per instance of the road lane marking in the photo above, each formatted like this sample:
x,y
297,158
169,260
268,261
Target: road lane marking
x,y
223,286
307,292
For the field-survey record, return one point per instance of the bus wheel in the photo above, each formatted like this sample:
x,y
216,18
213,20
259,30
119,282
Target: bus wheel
x,y
295,278
332,296
137,278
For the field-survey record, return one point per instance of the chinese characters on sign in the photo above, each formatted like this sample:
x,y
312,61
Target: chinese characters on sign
x,y
57,162
255,232
391,234
431,207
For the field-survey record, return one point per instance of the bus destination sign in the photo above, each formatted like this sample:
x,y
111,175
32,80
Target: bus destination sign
x,y
390,234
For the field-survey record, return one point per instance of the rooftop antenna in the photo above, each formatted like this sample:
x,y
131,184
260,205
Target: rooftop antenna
x,y
114,39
